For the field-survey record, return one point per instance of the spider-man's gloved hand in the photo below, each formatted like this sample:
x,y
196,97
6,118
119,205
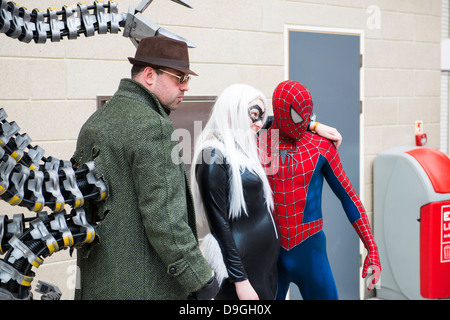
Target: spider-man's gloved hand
x,y
372,260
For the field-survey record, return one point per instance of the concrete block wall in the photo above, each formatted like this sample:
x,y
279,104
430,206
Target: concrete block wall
x,y
51,89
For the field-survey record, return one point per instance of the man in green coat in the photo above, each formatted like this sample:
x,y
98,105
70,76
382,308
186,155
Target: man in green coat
x,y
147,245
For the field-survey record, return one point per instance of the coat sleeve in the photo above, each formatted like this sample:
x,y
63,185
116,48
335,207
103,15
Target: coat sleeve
x,y
160,185
212,179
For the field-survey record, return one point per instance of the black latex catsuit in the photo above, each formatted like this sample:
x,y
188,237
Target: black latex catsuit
x,y
249,244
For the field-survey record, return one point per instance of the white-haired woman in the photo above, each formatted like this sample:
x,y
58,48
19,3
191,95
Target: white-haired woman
x,y
230,187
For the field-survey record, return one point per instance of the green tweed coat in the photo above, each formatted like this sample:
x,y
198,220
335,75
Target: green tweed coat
x,y
147,239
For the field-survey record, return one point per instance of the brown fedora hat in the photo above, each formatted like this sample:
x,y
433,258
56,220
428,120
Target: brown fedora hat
x,y
160,51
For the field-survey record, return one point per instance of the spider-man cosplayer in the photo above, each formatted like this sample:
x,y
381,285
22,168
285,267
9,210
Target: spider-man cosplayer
x,y
296,161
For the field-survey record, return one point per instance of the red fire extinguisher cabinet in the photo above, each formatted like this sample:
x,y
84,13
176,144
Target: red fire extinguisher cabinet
x,y
435,227
412,223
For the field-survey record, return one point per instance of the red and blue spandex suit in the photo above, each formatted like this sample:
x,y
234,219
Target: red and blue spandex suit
x,y
296,161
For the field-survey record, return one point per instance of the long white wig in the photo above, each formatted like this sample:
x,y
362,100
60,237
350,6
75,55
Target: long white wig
x,y
228,130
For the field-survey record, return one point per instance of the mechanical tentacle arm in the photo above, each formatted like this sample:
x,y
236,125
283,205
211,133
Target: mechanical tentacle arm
x,y
74,20
30,180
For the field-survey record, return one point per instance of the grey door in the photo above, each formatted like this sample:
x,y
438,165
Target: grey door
x,y
328,64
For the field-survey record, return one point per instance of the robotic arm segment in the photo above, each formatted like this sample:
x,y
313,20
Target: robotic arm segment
x,y
16,22
5,17
55,183
103,17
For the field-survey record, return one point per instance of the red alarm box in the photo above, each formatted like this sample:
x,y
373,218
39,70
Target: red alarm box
x,y
435,250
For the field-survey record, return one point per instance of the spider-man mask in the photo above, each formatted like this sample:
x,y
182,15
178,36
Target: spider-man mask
x,y
292,108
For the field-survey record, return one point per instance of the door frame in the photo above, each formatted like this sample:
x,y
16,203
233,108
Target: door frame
x,y
343,31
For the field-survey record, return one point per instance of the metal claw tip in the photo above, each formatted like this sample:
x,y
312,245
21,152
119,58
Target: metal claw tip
x,y
167,33
184,3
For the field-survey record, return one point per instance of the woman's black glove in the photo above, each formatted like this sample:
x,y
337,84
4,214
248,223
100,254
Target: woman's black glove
x,y
207,292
